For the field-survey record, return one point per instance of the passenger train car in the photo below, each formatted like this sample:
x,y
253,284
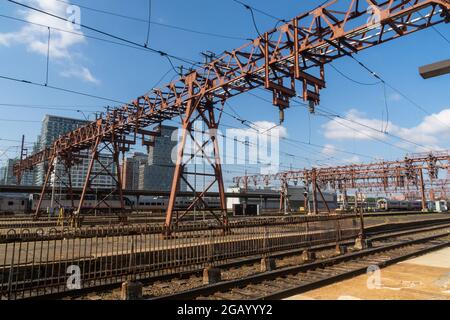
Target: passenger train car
x,y
397,205
13,204
416,205
28,204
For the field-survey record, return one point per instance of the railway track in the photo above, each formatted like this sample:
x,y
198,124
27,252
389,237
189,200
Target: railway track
x,y
168,279
177,283
289,281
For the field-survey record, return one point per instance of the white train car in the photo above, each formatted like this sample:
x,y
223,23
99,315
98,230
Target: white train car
x,y
398,205
88,204
146,203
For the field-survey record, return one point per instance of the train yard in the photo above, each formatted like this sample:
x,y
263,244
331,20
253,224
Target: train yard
x,y
128,207
35,264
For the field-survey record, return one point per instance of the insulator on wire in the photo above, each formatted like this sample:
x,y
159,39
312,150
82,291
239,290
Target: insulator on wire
x,y
281,115
312,107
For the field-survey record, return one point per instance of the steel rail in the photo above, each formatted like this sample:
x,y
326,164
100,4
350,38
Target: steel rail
x,y
374,236
312,275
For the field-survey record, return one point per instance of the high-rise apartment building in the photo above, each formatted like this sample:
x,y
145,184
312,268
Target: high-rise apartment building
x,y
157,174
52,128
7,175
131,170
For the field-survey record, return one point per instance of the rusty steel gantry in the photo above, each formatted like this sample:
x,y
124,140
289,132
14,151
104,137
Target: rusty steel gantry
x,y
403,176
295,52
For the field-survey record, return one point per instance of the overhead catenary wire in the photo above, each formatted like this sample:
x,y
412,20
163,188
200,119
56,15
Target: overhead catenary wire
x,y
251,8
306,105
48,56
60,89
80,34
255,127
353,80
149,22
72,107
384,127
415,104
333,118
434,28
108,34
170,26
331,113
19,120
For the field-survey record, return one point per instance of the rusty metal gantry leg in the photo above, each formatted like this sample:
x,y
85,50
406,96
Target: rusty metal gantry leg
x,y
203,110
44,186
110,151
57,176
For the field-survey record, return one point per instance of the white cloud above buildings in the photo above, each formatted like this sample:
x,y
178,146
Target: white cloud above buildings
x,y
63,45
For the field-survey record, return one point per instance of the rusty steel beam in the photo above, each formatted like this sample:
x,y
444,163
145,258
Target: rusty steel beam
x,y
435,69
388,177
406,169
294,52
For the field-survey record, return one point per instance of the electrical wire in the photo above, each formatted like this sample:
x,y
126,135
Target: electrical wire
x,y
78,34
108,34
251,8
60,89
433,27
254,22
256,127
20,120
170,26
415,104
306,105
48,56
50,107
334,116
353,80
384,127
149,19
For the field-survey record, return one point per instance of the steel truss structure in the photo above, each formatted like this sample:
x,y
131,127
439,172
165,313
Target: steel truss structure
x,y
278,60
404,176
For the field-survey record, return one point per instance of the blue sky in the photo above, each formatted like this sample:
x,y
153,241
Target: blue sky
x,y
122,73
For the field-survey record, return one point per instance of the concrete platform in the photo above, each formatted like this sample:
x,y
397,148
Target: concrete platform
x,y
422,278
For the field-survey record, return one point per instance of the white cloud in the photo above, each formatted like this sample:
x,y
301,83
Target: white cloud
x,y
340,129
267,128
431,133
330,151
395,97
81,73
35,37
